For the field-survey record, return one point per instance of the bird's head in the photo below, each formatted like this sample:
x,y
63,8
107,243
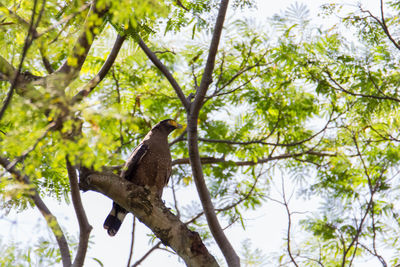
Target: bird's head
x,y
167,126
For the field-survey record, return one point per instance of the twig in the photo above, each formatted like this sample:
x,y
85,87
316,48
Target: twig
x,y
380,258
289,226
241,71
138,262
64,20
132,241
372,190
375,253
46,61
117,88
178,214
228,207
382,23
29,150
341,88
181,137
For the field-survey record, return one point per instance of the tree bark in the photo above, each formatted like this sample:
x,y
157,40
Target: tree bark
x,y
84,226
227,249
151,211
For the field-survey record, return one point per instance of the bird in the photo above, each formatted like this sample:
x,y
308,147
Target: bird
x,y
149,165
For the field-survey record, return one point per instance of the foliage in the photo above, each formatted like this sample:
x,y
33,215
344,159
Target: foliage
x,y
308,101
44,253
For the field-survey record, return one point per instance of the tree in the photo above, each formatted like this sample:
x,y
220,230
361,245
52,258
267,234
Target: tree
x,y
310,106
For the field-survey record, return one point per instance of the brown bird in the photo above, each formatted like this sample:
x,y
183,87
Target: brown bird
x,y
149,165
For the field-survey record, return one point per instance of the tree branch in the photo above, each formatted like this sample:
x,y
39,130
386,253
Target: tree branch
x,y
181,137
64,20
341,88
229,206
29,150
46,61
75,60
25,82
372,190
139,261
151,211
228,251
289,226
51,220
88,88
206,79
382,23
212,160
27,43
165,71
132,242
84,226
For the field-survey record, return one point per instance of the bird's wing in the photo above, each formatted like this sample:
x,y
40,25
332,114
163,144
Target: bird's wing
x,y
134,160
169,171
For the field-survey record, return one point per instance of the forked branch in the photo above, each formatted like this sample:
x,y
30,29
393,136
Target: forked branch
x,y
44,210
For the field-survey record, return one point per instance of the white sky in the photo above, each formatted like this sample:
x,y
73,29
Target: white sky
x,y
266,227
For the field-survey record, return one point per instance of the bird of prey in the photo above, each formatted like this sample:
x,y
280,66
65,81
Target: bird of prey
x,y
149,165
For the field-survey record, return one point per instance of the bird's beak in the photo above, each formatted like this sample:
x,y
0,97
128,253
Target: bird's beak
x,y
175,124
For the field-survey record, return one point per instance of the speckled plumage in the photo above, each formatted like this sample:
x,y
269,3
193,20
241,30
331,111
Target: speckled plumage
x,y
149,165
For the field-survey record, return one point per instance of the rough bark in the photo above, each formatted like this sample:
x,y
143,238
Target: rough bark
x,y
151,211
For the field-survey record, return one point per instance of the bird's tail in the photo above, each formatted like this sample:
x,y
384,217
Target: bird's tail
x,y
114,219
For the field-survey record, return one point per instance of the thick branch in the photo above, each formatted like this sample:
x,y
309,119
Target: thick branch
x,y
195,161
46,62
165,71
44,210
210,64
88,88
152,212
84,226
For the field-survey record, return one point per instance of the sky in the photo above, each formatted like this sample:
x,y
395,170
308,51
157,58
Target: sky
x,y
265,228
